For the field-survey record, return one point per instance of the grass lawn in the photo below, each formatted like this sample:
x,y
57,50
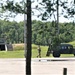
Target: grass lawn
x,y
20,53
12,54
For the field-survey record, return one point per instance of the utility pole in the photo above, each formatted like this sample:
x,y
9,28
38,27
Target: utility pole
x,y
29,35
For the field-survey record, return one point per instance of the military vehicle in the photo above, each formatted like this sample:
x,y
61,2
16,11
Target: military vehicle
x,y
63,49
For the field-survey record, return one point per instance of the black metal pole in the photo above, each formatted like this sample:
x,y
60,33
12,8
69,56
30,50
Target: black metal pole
x,y
29,33
64,71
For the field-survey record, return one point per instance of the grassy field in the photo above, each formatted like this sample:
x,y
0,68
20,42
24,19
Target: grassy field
x,y
35,52
12,54
18,52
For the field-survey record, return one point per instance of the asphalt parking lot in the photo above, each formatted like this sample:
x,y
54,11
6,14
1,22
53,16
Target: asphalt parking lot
x,y
12,67
53,66
39,66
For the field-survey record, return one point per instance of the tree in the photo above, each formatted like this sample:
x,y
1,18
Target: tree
x,y
48,8
51,7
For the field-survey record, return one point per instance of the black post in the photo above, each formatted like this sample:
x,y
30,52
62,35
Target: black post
x,y
64,71
29,34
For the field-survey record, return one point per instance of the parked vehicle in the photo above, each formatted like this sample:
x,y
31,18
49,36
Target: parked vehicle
x,y
64,49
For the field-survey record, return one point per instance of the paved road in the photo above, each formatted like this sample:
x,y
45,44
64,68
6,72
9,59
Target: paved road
x,y
42,66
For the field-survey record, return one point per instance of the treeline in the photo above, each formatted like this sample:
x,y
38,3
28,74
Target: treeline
x,y
45,32
12,31
42,32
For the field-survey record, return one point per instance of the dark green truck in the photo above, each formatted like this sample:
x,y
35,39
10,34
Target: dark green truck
x,y
63,49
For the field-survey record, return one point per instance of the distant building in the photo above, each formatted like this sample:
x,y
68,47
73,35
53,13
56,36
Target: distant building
x,y
4,46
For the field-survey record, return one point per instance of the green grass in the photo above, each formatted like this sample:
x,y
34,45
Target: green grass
x,y
20,53
67,55
35,51
12,54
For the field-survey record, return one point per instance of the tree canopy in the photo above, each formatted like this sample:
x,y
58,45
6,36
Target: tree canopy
x,y
46,8
42,32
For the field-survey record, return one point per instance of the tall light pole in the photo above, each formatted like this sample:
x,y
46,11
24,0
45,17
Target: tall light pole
x,y
29,34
